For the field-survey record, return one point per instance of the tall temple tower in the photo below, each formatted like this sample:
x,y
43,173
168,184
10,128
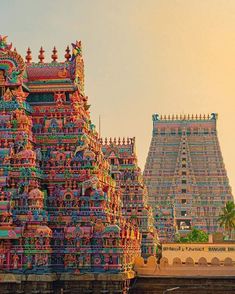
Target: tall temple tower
x,y
185,175
122,157
60,209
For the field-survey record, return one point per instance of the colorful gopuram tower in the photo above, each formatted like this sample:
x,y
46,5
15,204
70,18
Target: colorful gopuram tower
x,y
185,175
122,157
60,208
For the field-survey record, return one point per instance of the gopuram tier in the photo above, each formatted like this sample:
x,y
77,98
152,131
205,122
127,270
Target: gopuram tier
x,y
60,208
185,175
122,157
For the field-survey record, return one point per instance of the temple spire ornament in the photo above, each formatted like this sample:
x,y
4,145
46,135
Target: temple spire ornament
x,y
28,57
3,44
41,56
67,54
77,49
54,55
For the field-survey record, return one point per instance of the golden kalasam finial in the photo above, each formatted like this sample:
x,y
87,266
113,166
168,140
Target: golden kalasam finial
x,y
54,55
67,54
41,56
28,57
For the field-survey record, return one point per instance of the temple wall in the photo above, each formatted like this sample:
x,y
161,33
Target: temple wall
x,y
181,260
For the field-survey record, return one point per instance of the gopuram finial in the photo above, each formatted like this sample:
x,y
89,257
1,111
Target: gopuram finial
x,y
67,54
41,56
54,55
28,57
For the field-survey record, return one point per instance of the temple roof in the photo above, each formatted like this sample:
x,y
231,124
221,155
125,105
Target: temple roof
x,y
124,148
49,77
184,117
54,71
35,77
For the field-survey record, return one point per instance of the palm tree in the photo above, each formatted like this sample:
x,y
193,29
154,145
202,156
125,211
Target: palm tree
x,y
227,218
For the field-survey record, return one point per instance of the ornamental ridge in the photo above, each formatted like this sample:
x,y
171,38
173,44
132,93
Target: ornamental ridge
x,y
119,141
184,117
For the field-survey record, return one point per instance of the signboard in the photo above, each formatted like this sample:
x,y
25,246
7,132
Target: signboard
x,y
196,251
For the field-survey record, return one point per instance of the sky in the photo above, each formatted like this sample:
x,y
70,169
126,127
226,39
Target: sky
x,y
141,57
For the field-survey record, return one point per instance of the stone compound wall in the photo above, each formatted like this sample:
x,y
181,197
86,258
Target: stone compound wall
x,y
190,268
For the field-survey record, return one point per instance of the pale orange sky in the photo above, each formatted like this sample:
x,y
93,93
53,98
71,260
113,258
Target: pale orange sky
x,y
141,57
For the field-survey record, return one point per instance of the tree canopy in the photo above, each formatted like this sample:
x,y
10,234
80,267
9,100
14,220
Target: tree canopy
x,y
195,236
227,218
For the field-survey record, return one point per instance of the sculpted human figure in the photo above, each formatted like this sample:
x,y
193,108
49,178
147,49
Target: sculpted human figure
x,y
15,261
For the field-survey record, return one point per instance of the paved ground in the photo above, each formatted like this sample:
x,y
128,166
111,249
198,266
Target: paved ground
x,y
189,285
